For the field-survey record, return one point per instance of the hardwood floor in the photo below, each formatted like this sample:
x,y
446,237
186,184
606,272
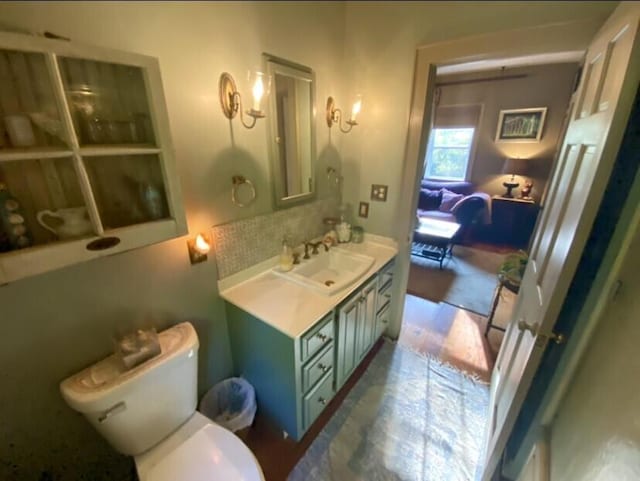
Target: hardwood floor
x,y
454,335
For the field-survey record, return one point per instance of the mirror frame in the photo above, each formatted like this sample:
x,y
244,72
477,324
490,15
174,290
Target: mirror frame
x,y
274,65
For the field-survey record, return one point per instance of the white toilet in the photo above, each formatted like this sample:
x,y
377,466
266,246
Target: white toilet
x,y
149,412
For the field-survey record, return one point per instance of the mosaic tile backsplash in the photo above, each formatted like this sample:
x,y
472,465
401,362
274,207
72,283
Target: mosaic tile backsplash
x,y
246,242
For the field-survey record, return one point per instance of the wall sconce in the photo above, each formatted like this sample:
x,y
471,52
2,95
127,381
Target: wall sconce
x,y
199,247
334,114
231,100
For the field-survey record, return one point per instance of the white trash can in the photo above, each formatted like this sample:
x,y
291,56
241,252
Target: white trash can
x,y
230,403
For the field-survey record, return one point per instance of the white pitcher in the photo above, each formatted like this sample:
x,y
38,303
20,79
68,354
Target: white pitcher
x,y
75,222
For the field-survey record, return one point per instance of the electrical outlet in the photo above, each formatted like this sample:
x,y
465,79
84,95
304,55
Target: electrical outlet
x,y
379,192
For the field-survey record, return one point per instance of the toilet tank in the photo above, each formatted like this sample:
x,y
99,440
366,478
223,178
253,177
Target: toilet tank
x,y
138,408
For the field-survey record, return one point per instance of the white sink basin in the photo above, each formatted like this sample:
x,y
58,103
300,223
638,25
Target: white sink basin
x,y
328,272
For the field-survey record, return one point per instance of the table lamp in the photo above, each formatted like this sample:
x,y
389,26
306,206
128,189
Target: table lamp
x,y
513,167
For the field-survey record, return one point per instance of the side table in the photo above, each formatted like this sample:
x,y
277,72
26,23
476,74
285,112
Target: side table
x,y
513,220
503,283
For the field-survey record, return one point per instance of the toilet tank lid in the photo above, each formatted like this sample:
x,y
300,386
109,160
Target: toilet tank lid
x,y
85,390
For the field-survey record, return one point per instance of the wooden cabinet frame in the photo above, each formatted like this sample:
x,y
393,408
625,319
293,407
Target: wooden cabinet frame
x,y
30,261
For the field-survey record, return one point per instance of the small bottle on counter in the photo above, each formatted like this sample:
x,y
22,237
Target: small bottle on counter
x,y
286,257
12,220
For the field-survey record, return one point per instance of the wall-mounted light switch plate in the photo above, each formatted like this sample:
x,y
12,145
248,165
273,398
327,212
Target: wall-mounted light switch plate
x,y
363,209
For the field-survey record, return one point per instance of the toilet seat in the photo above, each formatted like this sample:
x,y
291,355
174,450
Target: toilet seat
x,y
199,451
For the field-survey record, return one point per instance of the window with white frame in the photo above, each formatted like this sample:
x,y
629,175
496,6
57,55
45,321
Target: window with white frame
x,y
451,143
448,153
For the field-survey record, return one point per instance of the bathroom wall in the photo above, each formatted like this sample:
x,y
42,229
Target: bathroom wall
x,y
55,324
544,86
595,434
380,47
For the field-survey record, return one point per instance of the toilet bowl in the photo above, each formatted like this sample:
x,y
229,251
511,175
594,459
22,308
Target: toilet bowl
x,y
199,450
149,412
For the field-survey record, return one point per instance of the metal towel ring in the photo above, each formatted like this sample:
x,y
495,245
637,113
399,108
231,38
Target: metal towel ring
x,y
237,181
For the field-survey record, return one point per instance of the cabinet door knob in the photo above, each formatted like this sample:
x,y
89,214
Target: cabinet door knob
x,y
322,401
323,368
321,336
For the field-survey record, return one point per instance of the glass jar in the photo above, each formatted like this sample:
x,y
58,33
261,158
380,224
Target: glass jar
x,y
357,234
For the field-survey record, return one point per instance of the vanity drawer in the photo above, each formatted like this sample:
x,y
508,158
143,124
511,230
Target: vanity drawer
x,y
384,295
317,399
317,367
318,337
385,277
382,321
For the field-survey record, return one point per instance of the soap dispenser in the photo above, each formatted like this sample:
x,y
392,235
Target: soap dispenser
x,y
286,256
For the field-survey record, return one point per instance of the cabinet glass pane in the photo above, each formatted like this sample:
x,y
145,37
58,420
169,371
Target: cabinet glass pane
x,y
128,189
40,202
108,102
29,117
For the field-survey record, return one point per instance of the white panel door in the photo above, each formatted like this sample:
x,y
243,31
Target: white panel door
x,y
608,86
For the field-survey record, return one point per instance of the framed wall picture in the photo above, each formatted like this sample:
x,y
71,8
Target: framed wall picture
x,y
521,125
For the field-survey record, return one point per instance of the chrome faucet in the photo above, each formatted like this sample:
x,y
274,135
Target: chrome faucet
x,y
314,246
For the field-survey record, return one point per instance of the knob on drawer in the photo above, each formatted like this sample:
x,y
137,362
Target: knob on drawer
x,y
322,401
323,368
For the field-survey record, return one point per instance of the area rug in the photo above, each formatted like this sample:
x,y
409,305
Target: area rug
x,y
408,418
467,279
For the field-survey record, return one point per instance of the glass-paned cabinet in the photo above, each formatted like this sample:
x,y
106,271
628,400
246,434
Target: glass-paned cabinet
x,y
86,162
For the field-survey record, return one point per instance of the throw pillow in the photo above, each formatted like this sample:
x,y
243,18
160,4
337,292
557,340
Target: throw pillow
x,y
449,199
429,199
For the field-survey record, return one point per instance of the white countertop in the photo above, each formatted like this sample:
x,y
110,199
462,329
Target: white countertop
x,y
290,307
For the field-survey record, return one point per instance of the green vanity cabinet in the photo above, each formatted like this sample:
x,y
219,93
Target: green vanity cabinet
x,y
293,378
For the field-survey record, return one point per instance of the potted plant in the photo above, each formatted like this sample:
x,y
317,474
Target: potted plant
x,y
513,266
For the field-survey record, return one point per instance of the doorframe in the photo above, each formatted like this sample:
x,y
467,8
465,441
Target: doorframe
x,y
544,39
554,38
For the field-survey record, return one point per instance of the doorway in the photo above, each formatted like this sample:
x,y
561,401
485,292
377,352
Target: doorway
x,y
451,297
588,152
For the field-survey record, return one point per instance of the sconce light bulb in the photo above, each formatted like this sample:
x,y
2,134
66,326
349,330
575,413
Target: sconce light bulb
x,y
357,105
258,92
201,245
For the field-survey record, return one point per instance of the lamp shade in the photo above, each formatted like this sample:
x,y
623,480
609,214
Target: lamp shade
x,y
514,166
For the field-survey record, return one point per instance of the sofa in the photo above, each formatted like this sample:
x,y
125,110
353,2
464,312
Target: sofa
x,y
454,202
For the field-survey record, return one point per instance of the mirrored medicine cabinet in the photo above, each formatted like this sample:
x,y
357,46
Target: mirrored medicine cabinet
x,y
291,131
